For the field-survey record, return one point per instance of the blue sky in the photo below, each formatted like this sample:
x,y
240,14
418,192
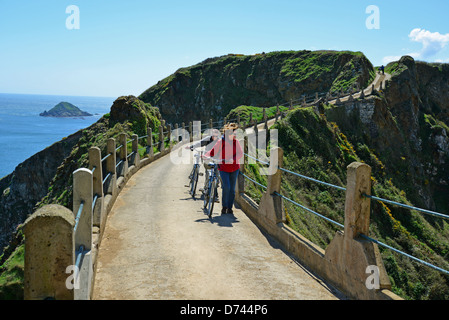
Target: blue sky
x,y
124,47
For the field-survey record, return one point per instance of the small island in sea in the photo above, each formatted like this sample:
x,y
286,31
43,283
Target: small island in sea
x,y
65,109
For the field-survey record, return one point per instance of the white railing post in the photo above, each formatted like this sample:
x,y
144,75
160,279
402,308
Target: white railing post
x,y
111,184
49,251
95,166
357,207
135,149
161,139
150,143
123,154
82,210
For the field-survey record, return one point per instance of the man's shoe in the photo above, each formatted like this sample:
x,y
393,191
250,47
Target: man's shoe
x,y
229,210
224,210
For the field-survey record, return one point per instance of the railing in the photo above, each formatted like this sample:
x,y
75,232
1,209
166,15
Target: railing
x,y
62,244
62,266
365,195
60,239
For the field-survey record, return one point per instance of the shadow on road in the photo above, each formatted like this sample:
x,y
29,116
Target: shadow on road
x,y
224,220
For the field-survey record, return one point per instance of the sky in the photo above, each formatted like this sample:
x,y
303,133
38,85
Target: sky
x,y
111,48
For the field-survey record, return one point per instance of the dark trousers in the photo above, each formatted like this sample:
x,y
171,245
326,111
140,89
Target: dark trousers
x,y
228,180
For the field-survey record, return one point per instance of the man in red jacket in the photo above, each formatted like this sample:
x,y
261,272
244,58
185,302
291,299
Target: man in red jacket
x,y
228,151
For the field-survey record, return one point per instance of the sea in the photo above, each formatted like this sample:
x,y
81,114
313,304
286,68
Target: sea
x,y
23,132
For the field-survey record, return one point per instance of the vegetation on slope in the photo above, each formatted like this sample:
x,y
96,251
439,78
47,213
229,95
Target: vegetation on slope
x,y
316,147
128,115
215,86
257,113
401,133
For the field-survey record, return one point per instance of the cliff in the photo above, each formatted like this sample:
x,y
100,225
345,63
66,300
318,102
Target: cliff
x,y
64,110
213,87
46,177
402,133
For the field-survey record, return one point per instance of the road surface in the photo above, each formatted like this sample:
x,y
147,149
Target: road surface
x,y
159,244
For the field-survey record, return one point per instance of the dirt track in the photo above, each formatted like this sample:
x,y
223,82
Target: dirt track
x,y
159,244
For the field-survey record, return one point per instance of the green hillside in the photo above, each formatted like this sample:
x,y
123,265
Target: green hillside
x,y
215,86
397,135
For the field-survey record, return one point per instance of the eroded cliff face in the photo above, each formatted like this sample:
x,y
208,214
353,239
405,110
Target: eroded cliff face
x,y
407,127
418,98
402,133
23,188
213,87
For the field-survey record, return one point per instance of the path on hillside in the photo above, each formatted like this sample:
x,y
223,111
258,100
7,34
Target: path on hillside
x,y
377,82
159,244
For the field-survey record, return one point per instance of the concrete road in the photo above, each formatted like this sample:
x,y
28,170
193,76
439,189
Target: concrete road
x,y
159,244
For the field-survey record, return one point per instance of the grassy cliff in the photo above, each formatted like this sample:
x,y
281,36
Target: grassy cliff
x,y
317,147
213,87
402,133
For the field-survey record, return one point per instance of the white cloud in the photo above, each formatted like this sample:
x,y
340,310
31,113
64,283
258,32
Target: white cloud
x,y
433,42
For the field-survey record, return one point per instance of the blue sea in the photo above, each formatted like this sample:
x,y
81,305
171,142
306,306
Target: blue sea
x,y
23,132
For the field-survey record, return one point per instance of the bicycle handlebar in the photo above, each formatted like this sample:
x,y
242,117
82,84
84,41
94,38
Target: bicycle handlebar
x,y
215,160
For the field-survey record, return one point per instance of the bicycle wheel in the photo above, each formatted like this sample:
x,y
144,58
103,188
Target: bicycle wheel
x,y
192,174
206,193
210,206
194,181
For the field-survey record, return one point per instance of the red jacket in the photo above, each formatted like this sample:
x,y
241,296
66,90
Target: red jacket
x,y
222,151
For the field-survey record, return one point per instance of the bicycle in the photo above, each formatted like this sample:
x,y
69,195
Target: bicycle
x,y
195,173
210,186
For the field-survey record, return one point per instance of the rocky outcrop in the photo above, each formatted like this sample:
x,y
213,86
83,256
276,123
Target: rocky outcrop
x,y
213,87
131,109
65,110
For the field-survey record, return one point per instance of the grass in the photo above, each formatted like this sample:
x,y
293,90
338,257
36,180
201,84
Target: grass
x,y
318,148
212,88
11,276
257,113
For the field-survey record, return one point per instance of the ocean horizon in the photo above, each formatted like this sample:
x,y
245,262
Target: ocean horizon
x,y
24,133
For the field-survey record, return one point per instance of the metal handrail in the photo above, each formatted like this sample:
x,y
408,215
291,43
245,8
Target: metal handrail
x,y
107,156
106,178
119,163
94,201
259,184
78,215
404,254
309,210
258,160
312,179
436,214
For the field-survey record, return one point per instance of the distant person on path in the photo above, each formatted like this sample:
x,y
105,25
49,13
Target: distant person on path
x,y
382,68
228,151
